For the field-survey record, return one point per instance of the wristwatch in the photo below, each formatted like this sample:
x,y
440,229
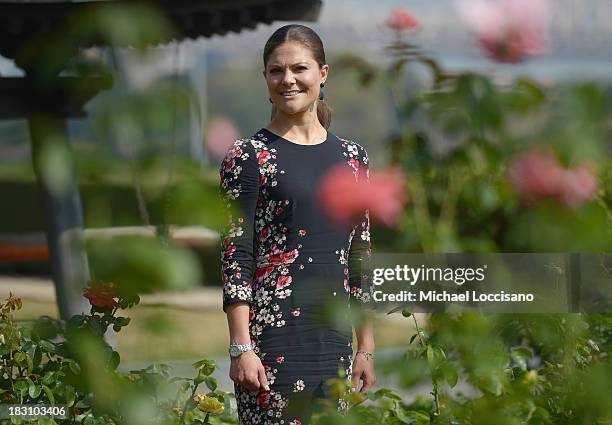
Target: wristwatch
x,y
235,350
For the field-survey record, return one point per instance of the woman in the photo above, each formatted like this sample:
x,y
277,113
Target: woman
x,y
284,261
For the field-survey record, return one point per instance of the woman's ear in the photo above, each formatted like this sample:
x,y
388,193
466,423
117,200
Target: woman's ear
x,y
324,73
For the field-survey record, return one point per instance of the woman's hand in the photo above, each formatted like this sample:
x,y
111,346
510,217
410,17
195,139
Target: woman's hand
x,y
247,371
363,370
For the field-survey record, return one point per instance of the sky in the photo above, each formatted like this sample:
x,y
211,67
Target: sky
x,y
581,32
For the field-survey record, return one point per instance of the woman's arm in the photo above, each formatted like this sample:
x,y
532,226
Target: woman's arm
x,y
240,189
359,282
246,369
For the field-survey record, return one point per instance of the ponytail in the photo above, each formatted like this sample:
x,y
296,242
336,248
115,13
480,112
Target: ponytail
x,y
324,113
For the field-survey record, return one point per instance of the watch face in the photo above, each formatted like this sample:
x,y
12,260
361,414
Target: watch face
x,y
234,351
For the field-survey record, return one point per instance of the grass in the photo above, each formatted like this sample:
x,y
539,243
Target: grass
x,y
161,333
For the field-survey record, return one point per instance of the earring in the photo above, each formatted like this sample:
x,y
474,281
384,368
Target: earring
x,y
321,94
270,99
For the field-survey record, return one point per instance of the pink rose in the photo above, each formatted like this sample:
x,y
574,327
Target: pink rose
x,y
400,19
508,30
343,199
221,133
537,174
579,186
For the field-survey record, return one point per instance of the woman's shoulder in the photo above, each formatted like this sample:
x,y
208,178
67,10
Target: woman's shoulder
x,y
248,143
353,149
244,148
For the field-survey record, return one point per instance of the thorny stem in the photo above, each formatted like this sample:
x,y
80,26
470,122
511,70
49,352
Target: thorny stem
x,y
435,391
416,325
189,399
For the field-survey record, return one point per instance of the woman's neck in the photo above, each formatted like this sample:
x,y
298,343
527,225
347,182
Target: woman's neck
x,y
304,130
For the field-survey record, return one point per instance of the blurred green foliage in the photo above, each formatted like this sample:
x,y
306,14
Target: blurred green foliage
x,y
70,363
455,141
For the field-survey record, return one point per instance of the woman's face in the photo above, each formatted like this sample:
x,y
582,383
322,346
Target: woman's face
x,y
293,77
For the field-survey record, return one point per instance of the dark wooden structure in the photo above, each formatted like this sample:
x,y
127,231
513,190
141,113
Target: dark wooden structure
x,y
46,99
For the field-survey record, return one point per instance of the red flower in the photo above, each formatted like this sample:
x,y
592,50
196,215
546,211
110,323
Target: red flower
x,y
508,30
264,234
343,199
283,281
302,232
400,19
280,359
229,164
281,257
263,399
263,156
230,251
101,294
262,273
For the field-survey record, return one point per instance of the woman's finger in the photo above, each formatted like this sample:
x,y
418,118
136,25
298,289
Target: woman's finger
x,y
368,382
263,380
355,378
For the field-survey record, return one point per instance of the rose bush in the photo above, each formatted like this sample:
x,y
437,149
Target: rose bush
x,y
56,362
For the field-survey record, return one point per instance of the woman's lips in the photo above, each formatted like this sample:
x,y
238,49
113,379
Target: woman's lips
x,y
291,93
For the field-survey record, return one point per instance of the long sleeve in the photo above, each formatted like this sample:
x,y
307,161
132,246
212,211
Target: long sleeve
x,y
240,190
360,252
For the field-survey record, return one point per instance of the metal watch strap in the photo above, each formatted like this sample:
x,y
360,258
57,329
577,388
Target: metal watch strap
x,y
243,347
240,348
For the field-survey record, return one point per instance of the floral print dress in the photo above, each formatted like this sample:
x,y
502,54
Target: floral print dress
x,y
299,271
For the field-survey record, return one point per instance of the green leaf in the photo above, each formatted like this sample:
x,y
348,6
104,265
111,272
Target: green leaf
x,y
406,313
206,367
114,361
49,347
21,386
386,392
34,390
19,357
37,356
49,393
211,383
30,363
413,337
431,356
450,374
48,378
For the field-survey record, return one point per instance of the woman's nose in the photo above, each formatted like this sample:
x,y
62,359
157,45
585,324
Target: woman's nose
x,y
288,77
